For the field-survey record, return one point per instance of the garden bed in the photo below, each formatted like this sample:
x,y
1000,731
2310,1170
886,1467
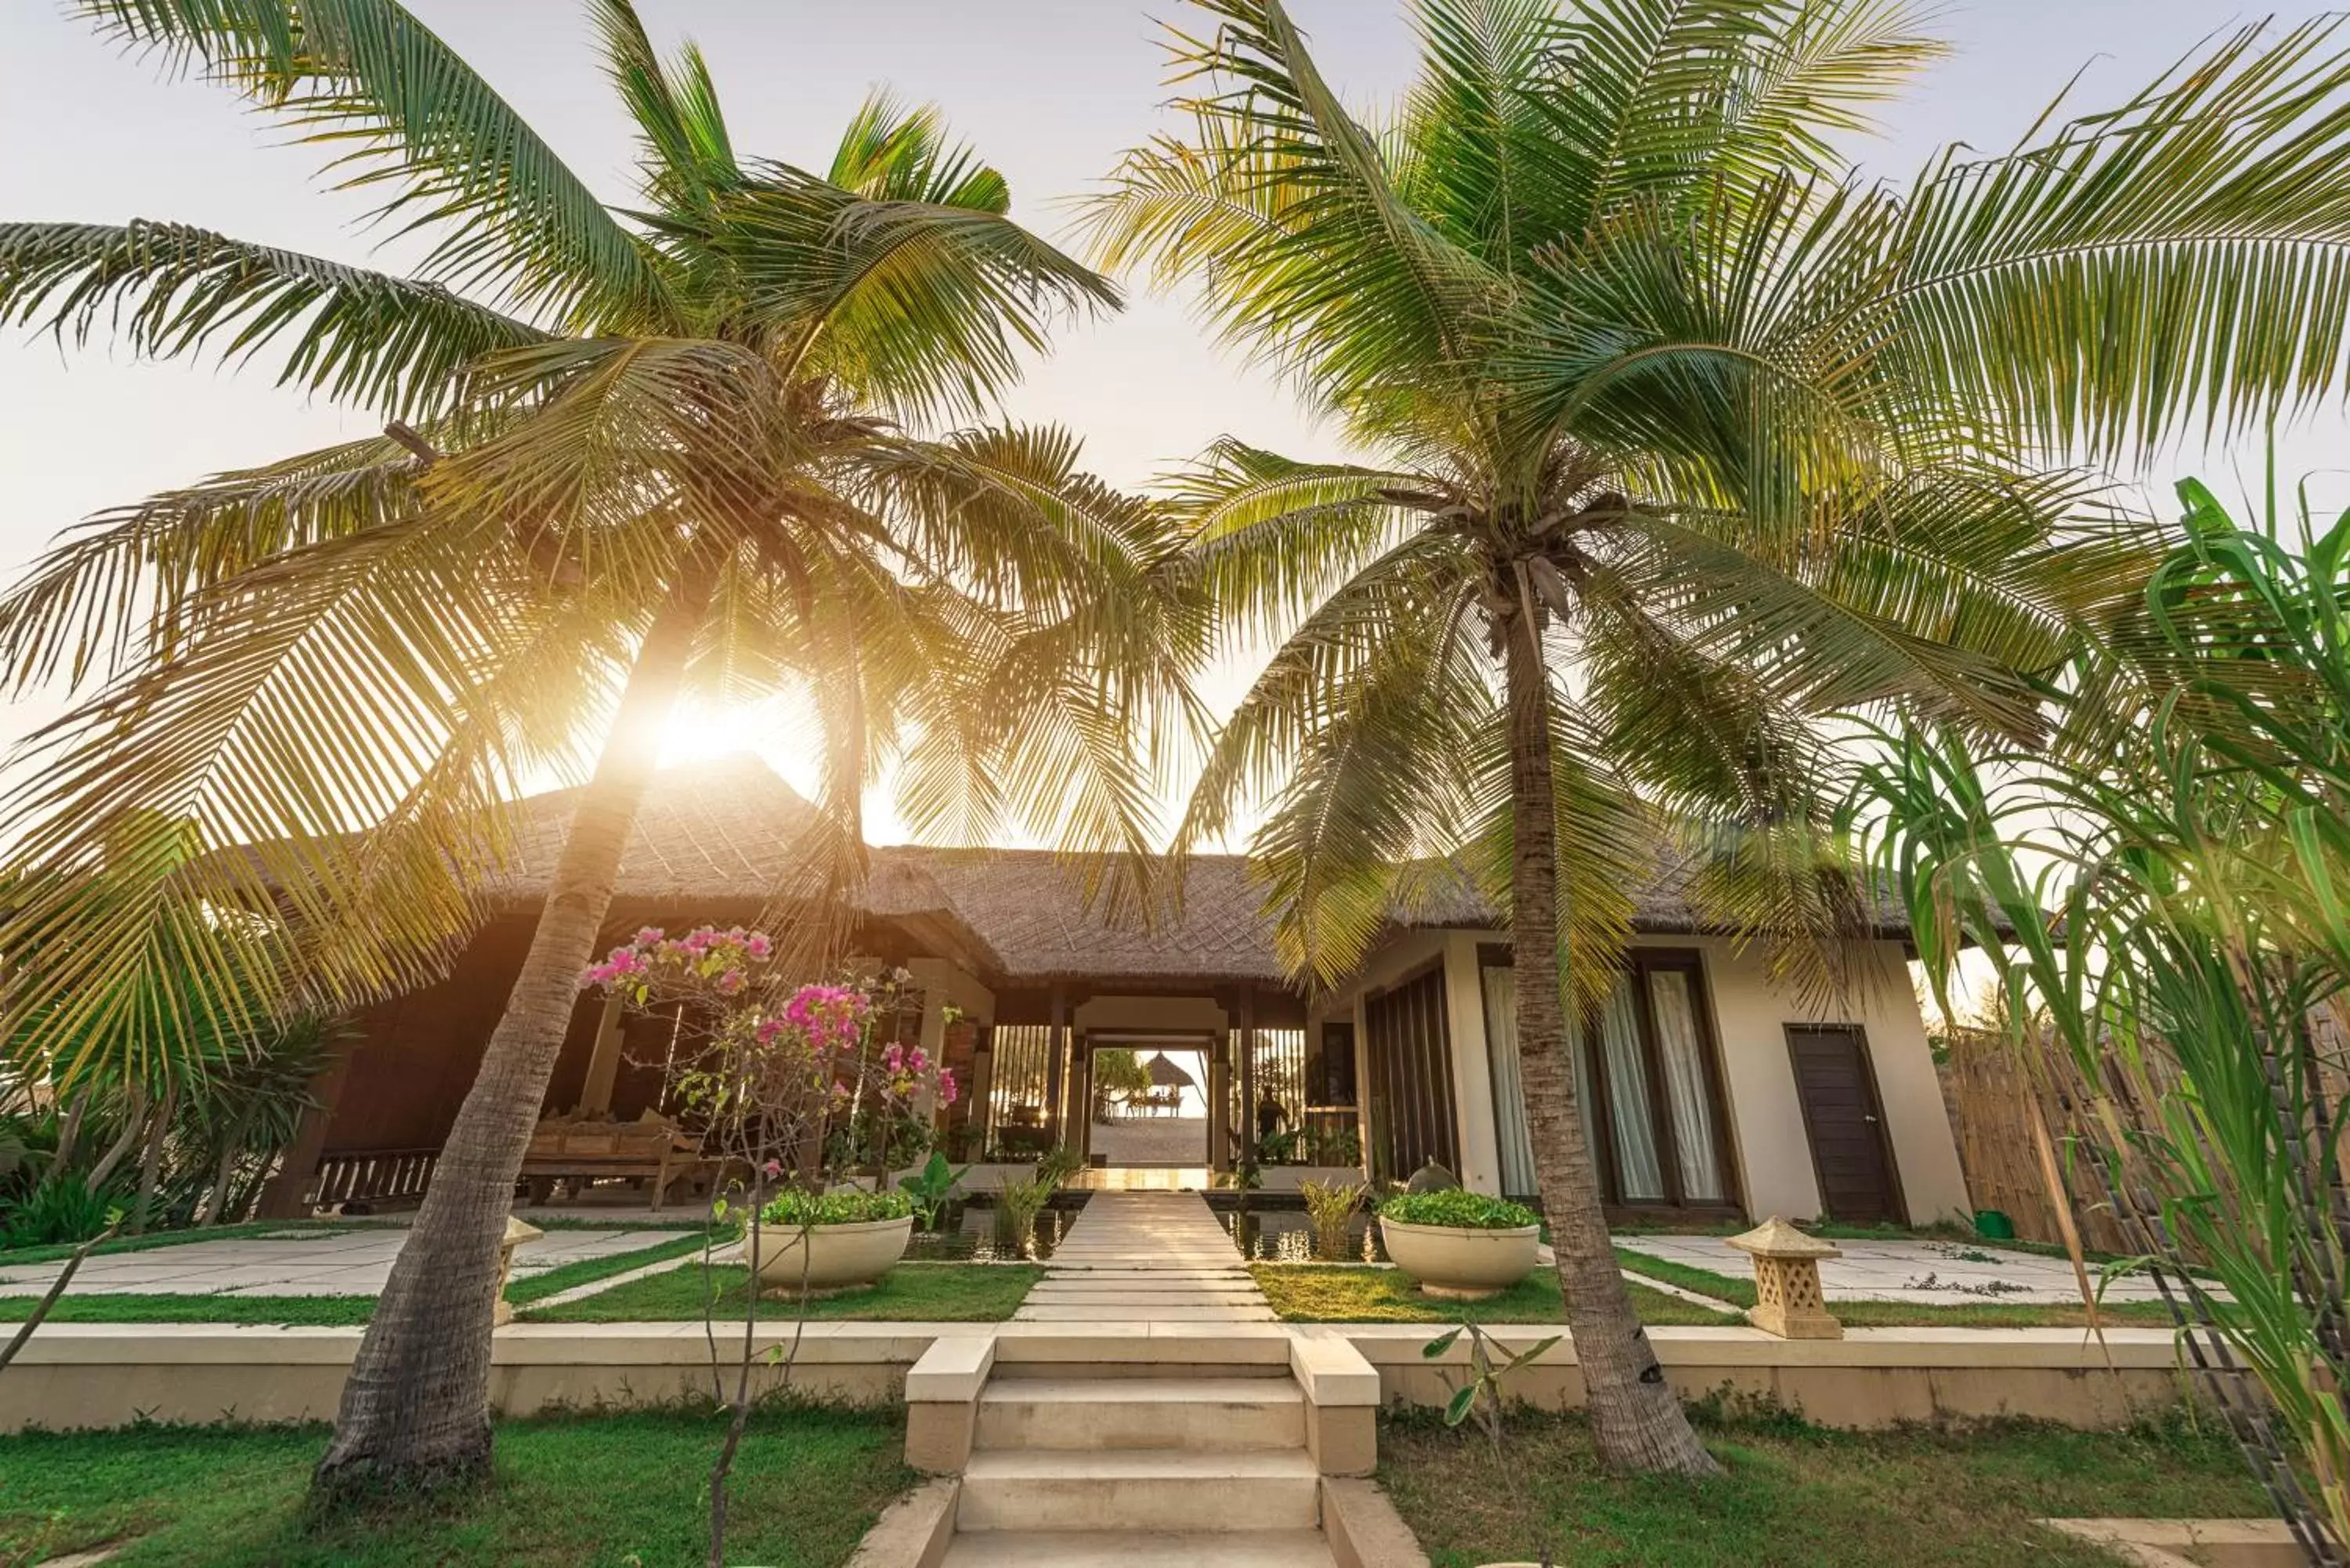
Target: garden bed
x,y
1334,1293
1799,1496
604,1489
910,1293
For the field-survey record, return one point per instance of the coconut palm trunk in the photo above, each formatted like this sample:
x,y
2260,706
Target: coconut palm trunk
x,y
1637,1417
416,1410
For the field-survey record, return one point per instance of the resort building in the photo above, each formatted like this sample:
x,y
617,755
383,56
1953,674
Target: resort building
x,y
1709,1089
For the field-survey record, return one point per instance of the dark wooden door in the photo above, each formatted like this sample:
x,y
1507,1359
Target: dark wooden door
x,y
1845,1123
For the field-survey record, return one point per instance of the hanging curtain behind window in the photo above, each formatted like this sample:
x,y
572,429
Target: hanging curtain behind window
x,y
1628,1111
1517,1149
1682,1053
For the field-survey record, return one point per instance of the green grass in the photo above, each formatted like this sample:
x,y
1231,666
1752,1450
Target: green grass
x,y
1989,1313
610,1490
1330,1293
587,1271
1800,1497
326,1311
910,1293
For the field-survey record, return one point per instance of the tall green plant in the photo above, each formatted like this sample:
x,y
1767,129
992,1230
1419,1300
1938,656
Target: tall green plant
x,y
705,443
2187,983
1679,434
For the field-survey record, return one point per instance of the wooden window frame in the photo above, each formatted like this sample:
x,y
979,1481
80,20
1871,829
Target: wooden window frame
x,y
1639,962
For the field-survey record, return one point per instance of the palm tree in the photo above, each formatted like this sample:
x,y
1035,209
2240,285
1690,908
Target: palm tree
x,y
1680,439
629,455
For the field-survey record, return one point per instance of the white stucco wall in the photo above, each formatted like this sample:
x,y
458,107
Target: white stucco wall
x,y
1774,1154
1766,1135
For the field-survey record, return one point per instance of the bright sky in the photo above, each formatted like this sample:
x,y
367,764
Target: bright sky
x,y
1049,90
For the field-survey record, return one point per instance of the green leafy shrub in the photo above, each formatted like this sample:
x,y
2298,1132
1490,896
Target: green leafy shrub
x,y
796,1208
1017,1204
1459,1208
1331,1206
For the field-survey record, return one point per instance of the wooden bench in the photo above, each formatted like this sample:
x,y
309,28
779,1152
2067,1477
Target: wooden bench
x,y
653,1152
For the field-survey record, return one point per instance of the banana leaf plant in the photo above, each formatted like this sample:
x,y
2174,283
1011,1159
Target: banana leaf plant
x,y
2163,898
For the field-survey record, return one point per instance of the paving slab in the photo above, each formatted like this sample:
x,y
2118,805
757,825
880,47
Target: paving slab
x,y
1146,1258
1922,1272
321,1263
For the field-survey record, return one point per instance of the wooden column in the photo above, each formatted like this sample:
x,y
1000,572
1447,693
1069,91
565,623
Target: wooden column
x,y
1248,1076
1081,1096
1219,1091
978,1113
1056,1068
603,1062
287,1193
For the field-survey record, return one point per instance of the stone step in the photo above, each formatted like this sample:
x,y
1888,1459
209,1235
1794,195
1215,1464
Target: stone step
x,y
1141,1488
1137,1549
1200,1414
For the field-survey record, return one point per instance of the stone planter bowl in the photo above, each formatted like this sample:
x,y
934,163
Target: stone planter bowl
x,y
837,1255
1461,1264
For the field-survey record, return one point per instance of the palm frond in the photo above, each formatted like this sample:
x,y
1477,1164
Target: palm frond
x,y
393,345
396,105
687,153
916,308
2183,258
120,587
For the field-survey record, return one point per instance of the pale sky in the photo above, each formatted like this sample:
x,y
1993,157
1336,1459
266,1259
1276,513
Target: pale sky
x,y
1049,91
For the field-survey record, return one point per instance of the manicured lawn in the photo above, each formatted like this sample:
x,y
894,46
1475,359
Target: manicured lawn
x,y
1989,1313
587,1271
1329,1293
311,1311
910,1293
610,1490
1799,1497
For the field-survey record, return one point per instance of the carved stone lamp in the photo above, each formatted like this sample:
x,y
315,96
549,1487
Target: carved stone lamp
x,y
1787,1299
516,1234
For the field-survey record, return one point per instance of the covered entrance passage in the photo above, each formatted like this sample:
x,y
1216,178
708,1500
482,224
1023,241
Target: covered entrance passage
x,y
1149,1101
1150,1088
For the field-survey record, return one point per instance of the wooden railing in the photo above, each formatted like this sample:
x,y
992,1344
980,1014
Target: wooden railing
x,y
376,1176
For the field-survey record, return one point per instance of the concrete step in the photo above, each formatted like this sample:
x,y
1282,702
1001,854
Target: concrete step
x,y
1199,1414
1137,1549
1142,1490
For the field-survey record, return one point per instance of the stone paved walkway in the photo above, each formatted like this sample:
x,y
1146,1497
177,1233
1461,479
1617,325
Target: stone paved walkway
x,y
1938,1273
1145,1257
295,1263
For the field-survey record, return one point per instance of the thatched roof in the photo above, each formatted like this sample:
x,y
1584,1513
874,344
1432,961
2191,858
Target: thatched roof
x,y
724,833
1166,1074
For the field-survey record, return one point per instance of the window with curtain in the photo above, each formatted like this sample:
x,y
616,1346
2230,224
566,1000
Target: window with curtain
x,y
1680,1050
1645,1075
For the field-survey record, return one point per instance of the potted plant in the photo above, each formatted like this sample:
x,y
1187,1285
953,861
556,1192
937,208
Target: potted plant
x,y
828,1241
1460,1245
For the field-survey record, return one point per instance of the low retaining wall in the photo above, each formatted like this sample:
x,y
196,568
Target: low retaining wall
x,y
94,1375
104,1374
1871,1377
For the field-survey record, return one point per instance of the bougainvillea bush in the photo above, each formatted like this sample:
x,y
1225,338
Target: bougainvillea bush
x,y
770,1071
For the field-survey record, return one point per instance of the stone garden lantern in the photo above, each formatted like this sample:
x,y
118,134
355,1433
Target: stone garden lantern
x,y
516,1234
1787,1299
